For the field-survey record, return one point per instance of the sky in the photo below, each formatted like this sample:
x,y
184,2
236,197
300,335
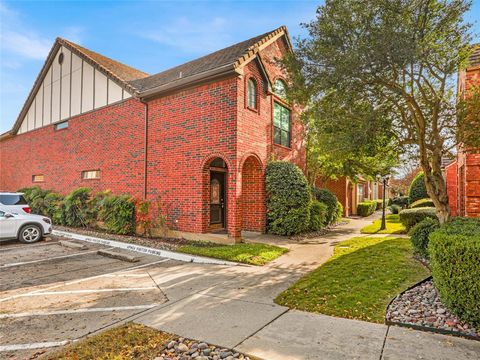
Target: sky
x,y
149,35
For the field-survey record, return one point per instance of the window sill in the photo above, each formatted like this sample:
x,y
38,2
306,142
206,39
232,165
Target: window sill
x,y
257,111
282,146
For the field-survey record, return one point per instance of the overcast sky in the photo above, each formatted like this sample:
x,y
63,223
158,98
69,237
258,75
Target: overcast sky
x,y
148,35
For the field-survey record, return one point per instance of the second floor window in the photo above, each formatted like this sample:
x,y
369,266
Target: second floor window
x,y
281,125
252,94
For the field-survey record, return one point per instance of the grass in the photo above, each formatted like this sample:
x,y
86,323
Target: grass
x,y
393,224
253,254
359,281
131,341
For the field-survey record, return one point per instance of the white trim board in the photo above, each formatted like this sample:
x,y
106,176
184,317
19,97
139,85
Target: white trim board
x,y
144,249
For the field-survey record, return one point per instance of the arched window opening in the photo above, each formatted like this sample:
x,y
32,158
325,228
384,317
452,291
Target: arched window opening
x,y
280,89
252,94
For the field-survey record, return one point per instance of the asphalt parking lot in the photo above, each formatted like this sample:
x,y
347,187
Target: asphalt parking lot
x,y
51,294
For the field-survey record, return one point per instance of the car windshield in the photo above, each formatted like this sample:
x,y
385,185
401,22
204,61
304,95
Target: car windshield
x,y
12,199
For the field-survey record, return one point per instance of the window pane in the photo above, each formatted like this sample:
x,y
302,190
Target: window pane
x,y
252,94
277,136
280,89
277,115
285,138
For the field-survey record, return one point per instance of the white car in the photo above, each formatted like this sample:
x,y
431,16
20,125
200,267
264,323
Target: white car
x,y
14,202
27,228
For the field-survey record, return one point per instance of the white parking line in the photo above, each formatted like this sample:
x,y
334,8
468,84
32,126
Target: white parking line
x,y
77,311
47,259
87,291
86,279
49,344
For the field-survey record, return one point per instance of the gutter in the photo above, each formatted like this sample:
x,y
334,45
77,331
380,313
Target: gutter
x,y
189,80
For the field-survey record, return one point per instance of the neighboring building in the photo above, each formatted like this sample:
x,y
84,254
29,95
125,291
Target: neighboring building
x,y
350,193
463,175
197,136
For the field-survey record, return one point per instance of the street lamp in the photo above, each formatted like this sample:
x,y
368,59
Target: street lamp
x,y
384,179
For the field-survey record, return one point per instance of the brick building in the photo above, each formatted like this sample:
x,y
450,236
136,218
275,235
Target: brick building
x,y
463,174
197,136
349,193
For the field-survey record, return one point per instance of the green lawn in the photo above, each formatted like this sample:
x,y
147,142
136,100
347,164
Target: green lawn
x,y
131,341
394,226
359,281
253,254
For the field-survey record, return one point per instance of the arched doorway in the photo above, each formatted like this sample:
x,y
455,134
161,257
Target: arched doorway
x,y
253,207
217,194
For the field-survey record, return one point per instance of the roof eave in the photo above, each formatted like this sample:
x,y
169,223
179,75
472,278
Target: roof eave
x,y
187,81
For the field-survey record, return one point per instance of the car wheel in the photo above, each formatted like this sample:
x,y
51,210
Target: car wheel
x,y
30,234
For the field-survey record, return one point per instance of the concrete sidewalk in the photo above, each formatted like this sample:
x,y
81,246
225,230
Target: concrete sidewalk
x,y
233,307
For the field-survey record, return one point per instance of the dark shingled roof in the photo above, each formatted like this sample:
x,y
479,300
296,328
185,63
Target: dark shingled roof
x,y
223,57
122,71
475,57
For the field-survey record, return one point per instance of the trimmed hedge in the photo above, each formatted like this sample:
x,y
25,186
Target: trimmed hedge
x,y
401,201
455,260
379,204
419,235
417,188
411,217
395,209
422,203
328,198
318,215
366,208
288,199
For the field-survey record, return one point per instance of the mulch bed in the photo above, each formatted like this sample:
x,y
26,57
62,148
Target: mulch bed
x,y
421,307
154,242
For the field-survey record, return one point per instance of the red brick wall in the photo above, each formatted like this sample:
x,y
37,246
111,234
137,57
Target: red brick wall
x,y
110,139
452,185
340,189
253,207
472,186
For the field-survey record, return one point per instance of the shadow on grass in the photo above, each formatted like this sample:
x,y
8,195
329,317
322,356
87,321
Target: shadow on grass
x,y
358,281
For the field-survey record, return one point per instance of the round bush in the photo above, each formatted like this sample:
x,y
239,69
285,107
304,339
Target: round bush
x,y
422,203
395,209
338,212
288,199
401,201
417,188
419,236
318,214
366,208
454,251
328,198
411,217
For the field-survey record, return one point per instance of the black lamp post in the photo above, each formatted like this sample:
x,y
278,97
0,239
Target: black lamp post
x,y
384,180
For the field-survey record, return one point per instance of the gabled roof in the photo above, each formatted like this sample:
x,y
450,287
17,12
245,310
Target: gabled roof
x,y
118,72
474,59
141,85
216,63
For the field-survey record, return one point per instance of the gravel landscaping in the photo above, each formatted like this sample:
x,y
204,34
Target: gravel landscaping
x,y
421,306
184,349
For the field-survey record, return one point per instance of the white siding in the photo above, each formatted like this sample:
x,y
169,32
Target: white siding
x,y
65,96
114,92
100,89
69,89
87,90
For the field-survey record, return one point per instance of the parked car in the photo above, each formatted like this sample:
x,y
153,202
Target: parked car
x,y
27,228
14,202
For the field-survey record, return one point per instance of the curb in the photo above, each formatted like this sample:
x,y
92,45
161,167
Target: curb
x,y
421,327
144,249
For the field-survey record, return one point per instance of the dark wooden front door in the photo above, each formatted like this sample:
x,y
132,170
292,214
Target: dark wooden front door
x,y
217,199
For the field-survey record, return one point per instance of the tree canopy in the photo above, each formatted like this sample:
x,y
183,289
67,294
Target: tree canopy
x,y
378,78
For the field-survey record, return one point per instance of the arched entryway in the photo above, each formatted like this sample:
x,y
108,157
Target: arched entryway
x,y
215,195
253,207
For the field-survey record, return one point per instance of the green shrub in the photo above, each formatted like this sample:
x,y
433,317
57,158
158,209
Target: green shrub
x,y
288,199
411,217
395,209
422,203
419,236
366,208
118,214
338,212
75,209
379,204
328,198
417,188
42,202
401,201
455,260
318,215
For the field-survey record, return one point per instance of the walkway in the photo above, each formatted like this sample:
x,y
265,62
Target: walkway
x,y
233,307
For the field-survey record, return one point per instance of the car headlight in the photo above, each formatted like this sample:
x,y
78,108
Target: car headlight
x,y
47,220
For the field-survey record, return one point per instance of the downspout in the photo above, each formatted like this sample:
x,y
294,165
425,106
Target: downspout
x,y
145,150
